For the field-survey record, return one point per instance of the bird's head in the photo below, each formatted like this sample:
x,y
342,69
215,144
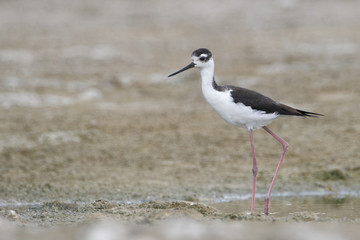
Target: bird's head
x,y
200,58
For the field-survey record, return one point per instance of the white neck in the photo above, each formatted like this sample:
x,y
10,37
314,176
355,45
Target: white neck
x,y
207,75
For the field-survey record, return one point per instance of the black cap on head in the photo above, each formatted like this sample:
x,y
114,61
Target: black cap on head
x,y
200,51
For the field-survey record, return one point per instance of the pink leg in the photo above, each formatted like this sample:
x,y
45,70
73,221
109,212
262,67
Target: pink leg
x,y
285,146
254,170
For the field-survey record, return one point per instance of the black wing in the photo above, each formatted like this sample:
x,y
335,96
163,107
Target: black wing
x,y
257,101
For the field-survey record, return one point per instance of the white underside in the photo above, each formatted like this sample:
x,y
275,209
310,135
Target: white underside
x,y
234,113
237,113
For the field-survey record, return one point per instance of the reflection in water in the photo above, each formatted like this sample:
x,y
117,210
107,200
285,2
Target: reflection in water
x,y
329,206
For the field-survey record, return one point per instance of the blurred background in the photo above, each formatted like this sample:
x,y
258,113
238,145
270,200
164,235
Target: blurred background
x,y
87,110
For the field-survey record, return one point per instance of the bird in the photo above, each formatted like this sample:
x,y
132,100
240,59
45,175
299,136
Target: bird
x,y
243,108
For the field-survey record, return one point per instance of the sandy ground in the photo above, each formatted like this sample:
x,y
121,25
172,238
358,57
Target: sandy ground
x,y
90,121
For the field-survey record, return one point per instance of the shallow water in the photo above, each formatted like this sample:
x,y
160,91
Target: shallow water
x,y
302,207
342,207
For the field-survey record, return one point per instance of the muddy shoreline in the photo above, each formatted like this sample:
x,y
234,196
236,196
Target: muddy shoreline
x,y
163,220
56,213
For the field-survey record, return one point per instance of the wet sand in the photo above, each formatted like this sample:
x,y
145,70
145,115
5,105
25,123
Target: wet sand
x,y
92,130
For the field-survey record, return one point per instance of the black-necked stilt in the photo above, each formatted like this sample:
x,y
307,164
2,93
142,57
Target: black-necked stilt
x,y
243,108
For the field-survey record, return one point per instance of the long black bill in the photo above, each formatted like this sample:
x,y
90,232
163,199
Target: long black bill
x,y
191,65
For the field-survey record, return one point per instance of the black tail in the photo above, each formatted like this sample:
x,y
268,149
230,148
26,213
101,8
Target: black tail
x,y
309,114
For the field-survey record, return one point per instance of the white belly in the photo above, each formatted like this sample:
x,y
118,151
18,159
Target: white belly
x,y
236,113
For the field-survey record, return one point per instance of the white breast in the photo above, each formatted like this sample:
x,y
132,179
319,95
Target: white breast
x,y
235,113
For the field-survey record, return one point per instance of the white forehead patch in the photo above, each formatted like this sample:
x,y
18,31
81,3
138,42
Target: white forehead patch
x,y
204,57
